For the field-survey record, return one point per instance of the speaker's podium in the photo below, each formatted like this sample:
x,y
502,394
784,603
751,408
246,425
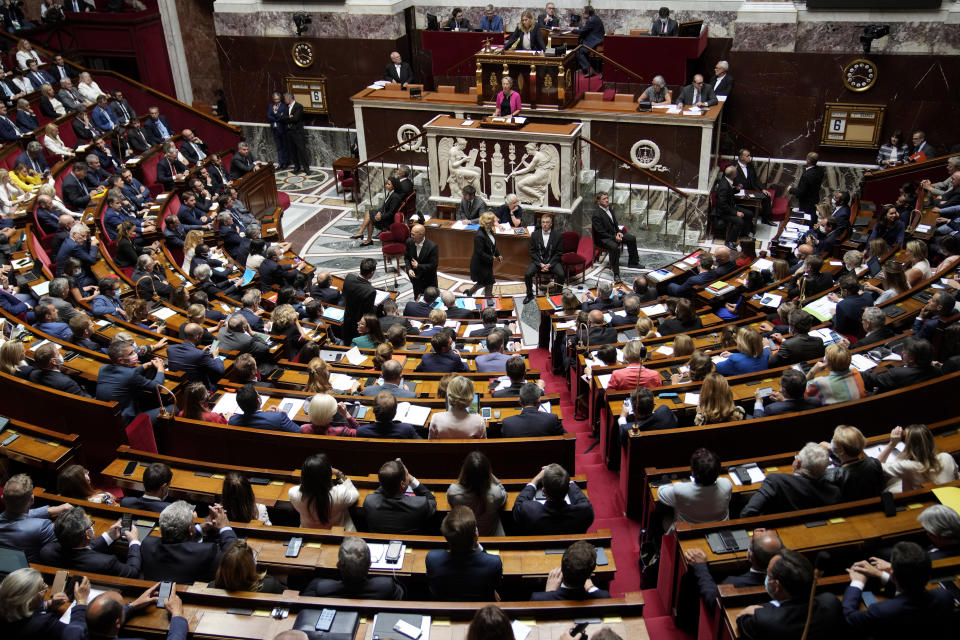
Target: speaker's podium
x,y
543,82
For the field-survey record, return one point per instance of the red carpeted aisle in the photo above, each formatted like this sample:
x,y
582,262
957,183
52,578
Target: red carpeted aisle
x,y
607,507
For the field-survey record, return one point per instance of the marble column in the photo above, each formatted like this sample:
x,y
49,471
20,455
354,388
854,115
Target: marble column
x,y
174,41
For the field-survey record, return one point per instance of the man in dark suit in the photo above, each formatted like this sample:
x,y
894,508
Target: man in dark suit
x,y
47,372
919,144
417,309
391,316
33,158
721,81
59,69
572,580
789,579
420,261
359,298
549,18
251,310
453,310
516,368
599,333
71,97
464,572
296,135
631,312
489,319
353,563
935,315
531,422
470,206
9,130
385,410
663,24
170,170
176,555
841,209
136,137
390,510
444,358
233,243
21,527
790,398
324,290
736,220
705,274
697,94
457,22
156,484
608,234
198,364
273,273
252,417
76,194
122,110
193,148
79,549
124,380
805,488
914,610
875,329
107,614
800,346
403,184
917,367
156,127
846,320
590,35
643,416
749,179
546,249
398,71
808,188
813,279
553,516
149,281
605,299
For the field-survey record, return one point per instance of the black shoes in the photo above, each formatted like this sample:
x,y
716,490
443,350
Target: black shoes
x,y
528,299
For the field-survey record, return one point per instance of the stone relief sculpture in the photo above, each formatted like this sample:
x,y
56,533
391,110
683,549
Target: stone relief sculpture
x,y
539,171
457,167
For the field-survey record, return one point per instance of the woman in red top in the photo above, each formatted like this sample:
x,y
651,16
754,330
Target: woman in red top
x,y
196,405
322,409
634,374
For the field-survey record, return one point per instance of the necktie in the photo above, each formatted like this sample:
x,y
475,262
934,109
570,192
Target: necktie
x,y
162,129
696,97
6,89
37,77
82,185
664,23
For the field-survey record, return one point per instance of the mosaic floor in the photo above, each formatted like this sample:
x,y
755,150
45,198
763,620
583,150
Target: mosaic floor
x,y
319,224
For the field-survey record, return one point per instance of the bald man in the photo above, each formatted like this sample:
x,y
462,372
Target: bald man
x,y
421,260
599,332
107,614
723,264
398,71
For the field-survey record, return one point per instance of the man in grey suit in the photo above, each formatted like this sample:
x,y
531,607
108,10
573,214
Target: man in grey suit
x,y
495,359
70,97
59,288
21,527
697,94
392,373
238,336
470,206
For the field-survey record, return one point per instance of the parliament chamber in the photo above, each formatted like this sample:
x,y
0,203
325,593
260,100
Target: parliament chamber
x,y
316,320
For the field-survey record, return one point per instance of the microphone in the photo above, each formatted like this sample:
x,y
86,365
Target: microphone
x,y
822,560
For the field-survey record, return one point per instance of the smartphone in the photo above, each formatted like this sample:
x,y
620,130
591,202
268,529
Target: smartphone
x,y
293,547
166,588
602,557
4,421
126,522
764,392
214,345
9,439
130,468
486,412
407,629
59,583
743,475
393,551
286,407
578,629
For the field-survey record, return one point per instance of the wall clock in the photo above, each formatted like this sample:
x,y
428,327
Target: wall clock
x,y
859,75
302,54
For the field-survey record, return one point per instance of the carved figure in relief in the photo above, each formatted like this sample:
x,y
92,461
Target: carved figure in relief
x,y
457,167
539,171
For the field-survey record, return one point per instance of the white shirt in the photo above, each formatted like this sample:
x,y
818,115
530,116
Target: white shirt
x,y
419,248
398,70
717,83
607,211
546,237
89,91
744,168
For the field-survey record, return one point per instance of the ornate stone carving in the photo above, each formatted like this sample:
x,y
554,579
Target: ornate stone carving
x,y
457,167
539,171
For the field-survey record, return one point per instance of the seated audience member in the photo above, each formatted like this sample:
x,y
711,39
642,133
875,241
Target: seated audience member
x,y
324,496
916,258
238,336
45,319
805,488
24,608
79,549
470,206
716,402
919,463
753,354
812,280
634,374
531,422
83,328
643,416
107,613
488,317
391,372
850,305
789,581
444,358
793,386
156,485
47,362
390,510
697,94
685,319
572,580
421,309
705,274
657,93
605,299
124,381
495,359
478,489
942,526
555,516
800,346
179,554
875,329
271,419
706,498
631,312
842,384
510,212
74,482
764,545
463,571
326,292
598,331
13,359
516,368
370,334
21,527
238,572
391,316
858,476
917,367
456,421
323,408
890,227
385,410
198,365
914,610
353,563
236,497
934,315
453,310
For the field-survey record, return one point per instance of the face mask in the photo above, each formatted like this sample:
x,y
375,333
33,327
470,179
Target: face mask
x,y
58,361
76,273
769,587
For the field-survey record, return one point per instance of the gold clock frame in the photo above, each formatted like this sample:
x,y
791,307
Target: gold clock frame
x,y
296,60
876,75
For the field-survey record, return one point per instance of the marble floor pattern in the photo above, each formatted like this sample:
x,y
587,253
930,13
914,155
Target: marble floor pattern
x,y
319,223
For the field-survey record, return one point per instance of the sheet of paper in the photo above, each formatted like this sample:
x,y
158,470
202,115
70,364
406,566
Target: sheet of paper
x,y
566,325
378,553
334,313
472,327
380,297
949,496
354,357
42,288
341,382
65,618
654,310
412,414
466,123
665,350
691,398
761,263
861,362
291,406
163,313
520,630
673,110
604,379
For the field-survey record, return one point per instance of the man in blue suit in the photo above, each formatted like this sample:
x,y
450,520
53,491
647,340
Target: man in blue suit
x,y
114,216
572,580
272,419
199,365
495,360
109,161
233,243
26,118
531,423
79,549
21,527
82,247
914,611
464,572
591,34
156,127
45,319
444,358
385,410
9,131
392,373
705,273
251,309
178,554
76,193
123,380
136,193
96,175
850,308
47,372
156,484
37,76
793,385
175,232
33,157
48,218
188,212
102,116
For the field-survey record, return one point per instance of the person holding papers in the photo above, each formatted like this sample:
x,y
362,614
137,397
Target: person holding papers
x,y
456,421
697,94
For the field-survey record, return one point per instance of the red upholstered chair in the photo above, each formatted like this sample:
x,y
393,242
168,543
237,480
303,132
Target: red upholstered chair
x,y
779,207
345,180
395,245
571,260
140,434
598,251
283,200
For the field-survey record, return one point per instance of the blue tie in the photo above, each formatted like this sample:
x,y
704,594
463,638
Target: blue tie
x,y
162,129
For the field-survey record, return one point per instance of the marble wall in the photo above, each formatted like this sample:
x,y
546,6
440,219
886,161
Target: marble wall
x,y
324,144
200,48
325,24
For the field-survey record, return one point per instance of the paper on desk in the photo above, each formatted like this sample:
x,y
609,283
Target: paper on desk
x,y
354,357
380,297
502,383
545,407
691,398
341,382
948,496
566,325
661,106
922,228
520,630
861,362
875,451
654,310
466,123
459,224
163,313
721,98
673,109
42,288
665,350
470,304
290,406
519,119
228,403
452,324
472,327
604,380
412,414
771,300
756,476
760,264
65,618
692,111
333,313
378,553
823,309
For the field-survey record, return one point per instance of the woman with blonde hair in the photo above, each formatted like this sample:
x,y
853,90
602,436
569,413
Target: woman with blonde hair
x,y
318,377
527,36
877,248
857,476
919,463
437,318
12,359
646,329
190,243
456,421
322,408
781,270
895,280
238,572
485,251
286,322
569,302
682,346
10,193
26,53
842,384
383,352
917,259
50,106
24,614
25,178
89,89
53,143
716,402
753,354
